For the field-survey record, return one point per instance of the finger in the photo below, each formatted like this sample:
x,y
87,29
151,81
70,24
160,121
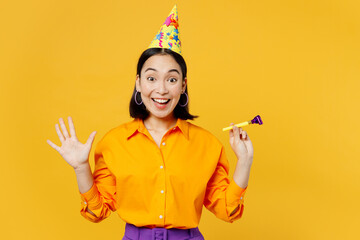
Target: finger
x,y
236,133
240,132
57,148
71,127
243,134
231,131
61,137
247,137
231,134
63,128
91,138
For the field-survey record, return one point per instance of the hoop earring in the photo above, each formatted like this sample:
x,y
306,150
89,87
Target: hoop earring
x,y
135,98
187,100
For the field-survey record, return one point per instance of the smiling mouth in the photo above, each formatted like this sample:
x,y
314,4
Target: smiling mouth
x,y
160,100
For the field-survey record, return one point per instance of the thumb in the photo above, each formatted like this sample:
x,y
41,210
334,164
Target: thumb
x,y
91,138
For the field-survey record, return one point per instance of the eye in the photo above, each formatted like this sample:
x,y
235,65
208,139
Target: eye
x,y
172,80
150,79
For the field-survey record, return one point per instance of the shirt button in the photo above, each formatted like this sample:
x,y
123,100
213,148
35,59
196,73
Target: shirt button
x,y
161,166
160,216
162,191
241,198
163,143
85,202
174,128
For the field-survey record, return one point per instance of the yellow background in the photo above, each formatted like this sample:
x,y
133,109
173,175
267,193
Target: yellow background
x,y
295,63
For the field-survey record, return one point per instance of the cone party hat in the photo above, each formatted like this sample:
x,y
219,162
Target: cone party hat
x,y
168,35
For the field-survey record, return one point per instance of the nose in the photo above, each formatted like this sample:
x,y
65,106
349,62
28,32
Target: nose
x,y
161,87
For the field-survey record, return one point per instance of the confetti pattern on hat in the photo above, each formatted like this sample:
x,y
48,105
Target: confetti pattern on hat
x,y
168,35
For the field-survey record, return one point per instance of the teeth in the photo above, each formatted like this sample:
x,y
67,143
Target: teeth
x,y
160,100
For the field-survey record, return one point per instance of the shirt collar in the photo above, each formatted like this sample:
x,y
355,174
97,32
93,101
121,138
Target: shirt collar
x,y
137,125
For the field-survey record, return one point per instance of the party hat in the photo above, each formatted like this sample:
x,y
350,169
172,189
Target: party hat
x,y
168,35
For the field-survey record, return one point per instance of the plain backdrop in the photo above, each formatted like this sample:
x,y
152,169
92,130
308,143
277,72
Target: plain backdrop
x,y
295,63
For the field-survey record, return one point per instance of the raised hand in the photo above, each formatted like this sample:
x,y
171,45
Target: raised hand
x,y
241,145
74,152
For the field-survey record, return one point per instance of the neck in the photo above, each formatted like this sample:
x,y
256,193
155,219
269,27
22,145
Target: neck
x,y
159,124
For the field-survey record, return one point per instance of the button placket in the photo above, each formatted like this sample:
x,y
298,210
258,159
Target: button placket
x,y
161,191
162,188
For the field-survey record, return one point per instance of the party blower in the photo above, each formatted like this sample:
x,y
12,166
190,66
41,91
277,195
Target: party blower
x,y
256,119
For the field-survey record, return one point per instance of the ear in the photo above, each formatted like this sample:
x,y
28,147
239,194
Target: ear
x,y
184,84
137,83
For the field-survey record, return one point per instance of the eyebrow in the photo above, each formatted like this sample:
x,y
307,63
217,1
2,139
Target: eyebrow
x,y
171,70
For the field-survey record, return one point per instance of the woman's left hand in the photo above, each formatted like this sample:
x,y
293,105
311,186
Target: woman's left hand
x,y
241,145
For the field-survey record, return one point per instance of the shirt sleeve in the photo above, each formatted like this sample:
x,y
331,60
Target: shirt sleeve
x,y
224,197
100,198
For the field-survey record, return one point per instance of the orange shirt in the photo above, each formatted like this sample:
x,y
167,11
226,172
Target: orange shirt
x,y
164,186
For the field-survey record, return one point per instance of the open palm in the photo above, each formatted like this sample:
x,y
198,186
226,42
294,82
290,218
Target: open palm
x,y
74,152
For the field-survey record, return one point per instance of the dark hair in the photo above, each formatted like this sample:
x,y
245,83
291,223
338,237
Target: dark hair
x,y
140,111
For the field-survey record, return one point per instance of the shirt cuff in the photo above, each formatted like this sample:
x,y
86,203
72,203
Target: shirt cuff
x,y
235,193
90,196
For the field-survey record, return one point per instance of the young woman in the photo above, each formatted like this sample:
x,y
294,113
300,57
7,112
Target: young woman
x,y
158,170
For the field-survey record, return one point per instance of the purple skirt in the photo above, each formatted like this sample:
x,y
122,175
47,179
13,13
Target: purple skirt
x,y
142,233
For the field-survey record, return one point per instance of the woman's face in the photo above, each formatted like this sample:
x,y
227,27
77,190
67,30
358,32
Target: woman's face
x,y
160,85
